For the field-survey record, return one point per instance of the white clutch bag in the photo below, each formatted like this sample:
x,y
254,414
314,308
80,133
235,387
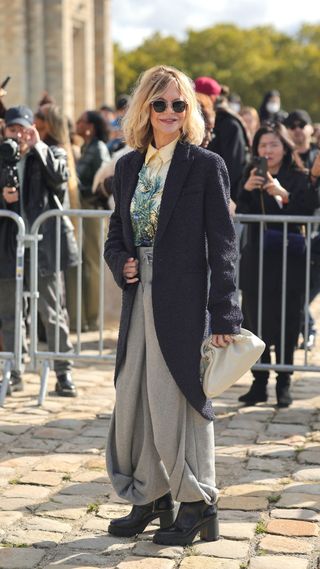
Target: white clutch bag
x,y
222,367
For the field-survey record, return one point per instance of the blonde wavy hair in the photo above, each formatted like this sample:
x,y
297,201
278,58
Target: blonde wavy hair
x,y
57,122
150,86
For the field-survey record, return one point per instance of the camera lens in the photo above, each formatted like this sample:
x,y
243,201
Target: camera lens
x,y
9,151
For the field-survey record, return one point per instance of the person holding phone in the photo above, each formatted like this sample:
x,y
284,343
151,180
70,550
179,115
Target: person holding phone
x,y
281,189
42,176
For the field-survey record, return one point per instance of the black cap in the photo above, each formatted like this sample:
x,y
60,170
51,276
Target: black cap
x,y
19,115
299,115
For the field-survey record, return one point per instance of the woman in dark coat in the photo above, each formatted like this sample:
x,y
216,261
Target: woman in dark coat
x,y
170,195
92,128
285,191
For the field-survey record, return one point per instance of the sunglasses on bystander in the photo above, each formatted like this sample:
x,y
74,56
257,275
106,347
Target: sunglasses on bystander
x,y
295,125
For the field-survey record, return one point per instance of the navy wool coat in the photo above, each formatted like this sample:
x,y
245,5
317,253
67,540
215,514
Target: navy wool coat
x,y
194,206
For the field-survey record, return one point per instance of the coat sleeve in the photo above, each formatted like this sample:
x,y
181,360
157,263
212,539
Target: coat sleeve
x,y
224,310
115,253
303,195
54,162
232,146
91,160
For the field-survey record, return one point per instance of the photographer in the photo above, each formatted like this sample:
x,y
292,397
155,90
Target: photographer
x,y
33,178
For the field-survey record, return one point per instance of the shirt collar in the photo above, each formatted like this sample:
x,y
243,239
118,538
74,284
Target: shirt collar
x,y
165,153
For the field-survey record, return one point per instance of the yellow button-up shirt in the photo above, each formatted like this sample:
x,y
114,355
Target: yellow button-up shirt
x,y
146,201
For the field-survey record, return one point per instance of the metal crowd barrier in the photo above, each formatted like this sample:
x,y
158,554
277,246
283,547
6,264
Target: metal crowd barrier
x,y
308,222
43,359
13,360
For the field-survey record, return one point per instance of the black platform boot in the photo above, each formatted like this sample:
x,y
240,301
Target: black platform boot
x,y
65,386
284,398
256,394
140,516
192,518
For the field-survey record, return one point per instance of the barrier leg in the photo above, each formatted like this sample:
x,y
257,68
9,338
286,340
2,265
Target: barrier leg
x,y
43,382
5,382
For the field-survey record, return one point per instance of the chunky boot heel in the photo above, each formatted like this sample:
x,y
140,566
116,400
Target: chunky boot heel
x,y
166,519
192,518
141,516
210,532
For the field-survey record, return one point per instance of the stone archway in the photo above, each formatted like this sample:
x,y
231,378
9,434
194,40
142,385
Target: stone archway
x,y
61,46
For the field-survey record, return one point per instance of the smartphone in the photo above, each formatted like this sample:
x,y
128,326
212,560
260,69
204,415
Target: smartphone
x,y
5,82
261,165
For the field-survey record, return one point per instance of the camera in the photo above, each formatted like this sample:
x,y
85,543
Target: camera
x,y
9,157
10,152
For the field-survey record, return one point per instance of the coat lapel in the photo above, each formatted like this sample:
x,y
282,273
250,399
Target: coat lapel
x,y
135,166
179,168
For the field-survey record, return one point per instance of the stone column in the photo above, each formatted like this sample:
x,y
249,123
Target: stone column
x,y
108,56
13,50
67,56
78,69
89,85
83,57
103,53
54,56
36,57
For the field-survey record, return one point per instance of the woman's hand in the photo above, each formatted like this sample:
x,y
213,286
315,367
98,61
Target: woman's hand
x,y
232,208
315,170
273,188
222,340
130,271
10,195
254,181
31,136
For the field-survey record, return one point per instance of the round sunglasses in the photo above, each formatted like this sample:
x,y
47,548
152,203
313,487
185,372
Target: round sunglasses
x,y
159,106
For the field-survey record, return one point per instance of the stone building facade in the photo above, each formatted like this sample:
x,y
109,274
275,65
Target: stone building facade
x,y
63,47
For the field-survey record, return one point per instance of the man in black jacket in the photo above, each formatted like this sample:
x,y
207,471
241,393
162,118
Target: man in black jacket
x,y
231,142
299,125
41,176
230,139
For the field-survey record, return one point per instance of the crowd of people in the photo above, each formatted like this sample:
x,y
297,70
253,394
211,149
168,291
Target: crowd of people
x,y
176,161
289,144
62,165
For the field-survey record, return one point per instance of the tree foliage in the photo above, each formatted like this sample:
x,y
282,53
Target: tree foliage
x,y
250,61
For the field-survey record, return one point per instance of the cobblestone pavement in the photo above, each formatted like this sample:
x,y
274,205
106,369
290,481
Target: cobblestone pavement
x,y
56,499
